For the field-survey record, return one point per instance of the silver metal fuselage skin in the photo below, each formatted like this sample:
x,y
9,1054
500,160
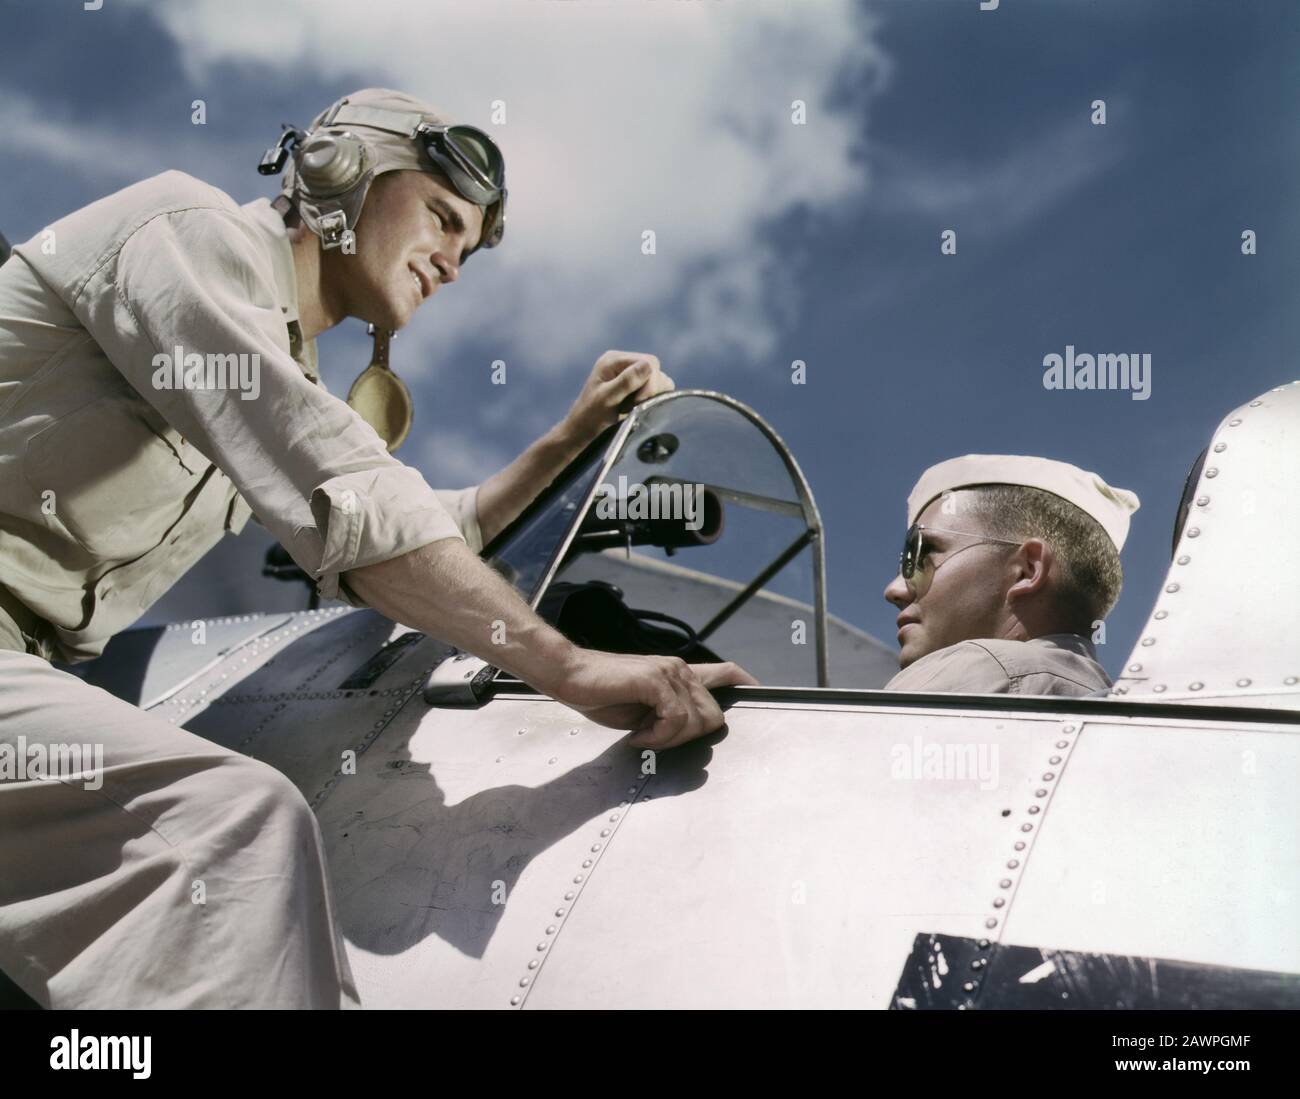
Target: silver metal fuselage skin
x,y
831,847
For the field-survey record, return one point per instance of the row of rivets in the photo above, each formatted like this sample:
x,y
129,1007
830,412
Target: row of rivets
x,y
1183,559
1026,827
1198,685
254,648
378,727
572,894
977,964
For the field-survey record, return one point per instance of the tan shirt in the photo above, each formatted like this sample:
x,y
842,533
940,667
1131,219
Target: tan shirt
x,y
1057,664
112,483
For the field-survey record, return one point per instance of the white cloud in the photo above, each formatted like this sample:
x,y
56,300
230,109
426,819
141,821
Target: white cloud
x,y
107,154
671,115
90,152
455,459
998,193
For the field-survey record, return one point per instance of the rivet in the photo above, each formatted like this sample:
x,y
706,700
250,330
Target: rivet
x,y
990,922
1020,845
1160,616
969,986
1290,680
1054,760
1026,827
596,846
1196,686
631,790
983,944
524,982
1171,588
1234,421
1068,729
1048,776
586,863
570,895
1159,688
1201,501
1255,404
1147,642
613,816
541,946
514,1000
520,732
1219,448
998,902
551,930
551,760
1034,808
1211,472
1005,883
577,878
573,732
1135,667
1193,532
534,963
604,831
1038,794
1243,683
1183,559
500,758
978,963
1012,863
1062,743
559,913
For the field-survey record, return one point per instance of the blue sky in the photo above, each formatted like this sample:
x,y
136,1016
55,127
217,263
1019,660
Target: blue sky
x,y
777,242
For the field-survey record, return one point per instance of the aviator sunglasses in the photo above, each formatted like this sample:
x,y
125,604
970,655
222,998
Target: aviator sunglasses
x,y
912,562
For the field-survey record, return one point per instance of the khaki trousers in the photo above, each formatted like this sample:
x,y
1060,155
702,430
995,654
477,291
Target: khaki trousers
x,y
180,874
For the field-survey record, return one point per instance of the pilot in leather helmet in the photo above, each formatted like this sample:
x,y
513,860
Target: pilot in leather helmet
x,y
1009,565
160,388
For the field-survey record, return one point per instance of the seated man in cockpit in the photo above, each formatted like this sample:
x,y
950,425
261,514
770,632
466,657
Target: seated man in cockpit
x,y
1009,565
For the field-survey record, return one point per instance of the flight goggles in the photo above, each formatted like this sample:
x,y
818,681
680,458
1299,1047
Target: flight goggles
x,y
466,155
476,168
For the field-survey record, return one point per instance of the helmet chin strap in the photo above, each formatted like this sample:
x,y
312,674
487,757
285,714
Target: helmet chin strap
x,y
377,395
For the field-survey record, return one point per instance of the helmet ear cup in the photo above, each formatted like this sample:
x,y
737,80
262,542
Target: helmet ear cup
x,y
330,164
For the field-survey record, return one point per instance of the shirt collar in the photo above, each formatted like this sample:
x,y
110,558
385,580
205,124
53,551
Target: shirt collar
x,y
1075,642
267,218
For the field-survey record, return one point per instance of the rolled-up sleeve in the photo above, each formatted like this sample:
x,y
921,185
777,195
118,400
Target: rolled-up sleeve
x,y
315,474
462,505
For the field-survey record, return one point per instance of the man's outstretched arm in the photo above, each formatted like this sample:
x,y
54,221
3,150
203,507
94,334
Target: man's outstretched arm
x,y
444,590
619,380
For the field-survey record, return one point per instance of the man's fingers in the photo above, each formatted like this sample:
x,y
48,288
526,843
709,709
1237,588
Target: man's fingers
x,y
701,711
725,674
628,381
669,724
659,382
611,364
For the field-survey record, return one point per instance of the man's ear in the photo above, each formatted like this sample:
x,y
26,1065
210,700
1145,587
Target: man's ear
x,y
1034,563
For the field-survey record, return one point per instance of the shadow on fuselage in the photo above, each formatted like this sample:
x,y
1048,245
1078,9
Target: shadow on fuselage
x,y
423,867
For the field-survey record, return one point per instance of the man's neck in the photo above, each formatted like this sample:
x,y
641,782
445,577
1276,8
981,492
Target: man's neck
x,y
316,313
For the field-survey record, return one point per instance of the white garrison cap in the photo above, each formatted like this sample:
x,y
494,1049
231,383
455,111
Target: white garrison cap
x,y
1111,507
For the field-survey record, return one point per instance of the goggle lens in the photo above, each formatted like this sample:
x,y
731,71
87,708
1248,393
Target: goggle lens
x,y
475,166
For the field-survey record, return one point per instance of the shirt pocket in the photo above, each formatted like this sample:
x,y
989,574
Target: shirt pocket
x,y
118,475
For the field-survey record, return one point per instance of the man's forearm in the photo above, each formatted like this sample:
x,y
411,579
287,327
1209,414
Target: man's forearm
x,y
444,590
505,494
